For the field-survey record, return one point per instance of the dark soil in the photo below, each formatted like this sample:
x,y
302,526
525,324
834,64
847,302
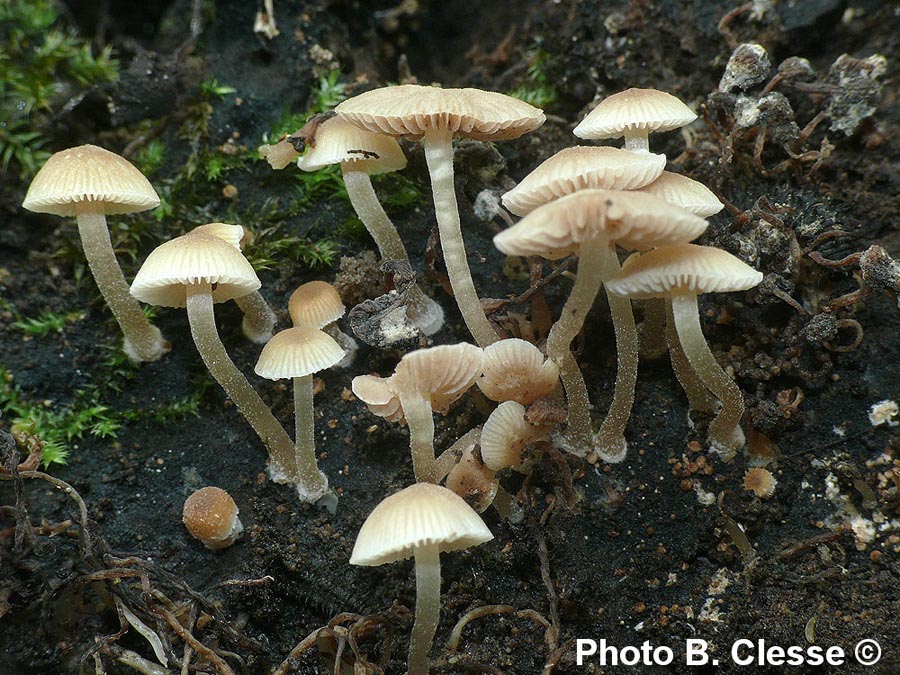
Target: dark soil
x,y
629,551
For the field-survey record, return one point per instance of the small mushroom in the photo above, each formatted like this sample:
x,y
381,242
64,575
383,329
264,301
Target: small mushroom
x,y
91,183
516,370
472,480
505,436
422,520
211,516
685,193
760,482
318,304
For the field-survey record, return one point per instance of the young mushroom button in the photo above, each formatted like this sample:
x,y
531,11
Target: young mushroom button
x,y
91,183
318,304
211,516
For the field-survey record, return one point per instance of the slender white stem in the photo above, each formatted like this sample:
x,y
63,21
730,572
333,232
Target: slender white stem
x,y
439,155
143,341
653,330
313,483
637,140
420,420
699,398
428,609
725,434
282,456
259,319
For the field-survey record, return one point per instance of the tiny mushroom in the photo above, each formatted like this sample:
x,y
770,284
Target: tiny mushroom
x,y
760,482
211,516
516,370
91,183
686,193
318,304
435,116
505,436
422,520
472,480
297,353
682,272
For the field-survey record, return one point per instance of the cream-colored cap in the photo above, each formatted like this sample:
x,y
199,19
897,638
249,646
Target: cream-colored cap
x,y
516,370
193,259
278,154
409,110
689,194
760,482
316,304
211,516
338,141
505,435
378,395
99,180
685,268
442,373
633,220
423,515
583,167
634,109
233,234
296,352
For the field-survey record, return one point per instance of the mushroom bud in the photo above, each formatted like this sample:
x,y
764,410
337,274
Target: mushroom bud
x,y
211,516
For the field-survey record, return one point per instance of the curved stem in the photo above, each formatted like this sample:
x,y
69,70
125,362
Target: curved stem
x,y
653,330
428,609
282,460
725,434
699,398
259,319
313,483
143,341
439,155
420,420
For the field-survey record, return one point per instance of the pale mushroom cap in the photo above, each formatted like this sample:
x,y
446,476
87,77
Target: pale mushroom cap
x,y
338,141
516,370
233,234
211,516
634,109
409,110
296,352
685,268
442,373
278,154
378,395
505,434
316,304
633,220
193,259
760,482
583,167
422,515
110,184
689,194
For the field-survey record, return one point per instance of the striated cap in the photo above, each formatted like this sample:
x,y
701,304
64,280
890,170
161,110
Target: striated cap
x,y
516,370
296,352
579,168
442,373
89,179
193,258
423,515
687,193
211,516
635,109
233,234
338,141
633,220
760,482
685,268
316,304
505,435
409,110
378,395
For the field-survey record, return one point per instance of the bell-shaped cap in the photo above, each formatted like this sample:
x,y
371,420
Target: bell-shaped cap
x,y
338,141
233,234
442,374
89,179
635,109
378,395
687,193
633,220
297,352
193,258
316,304
516,370
583,167
211,516
505,435
423,515
685,268
409,110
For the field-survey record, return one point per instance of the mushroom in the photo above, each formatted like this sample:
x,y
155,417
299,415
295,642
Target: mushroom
x,y
91,183
211,516
259,319
435,116
318,304
195,271
422,521
516,370
760,482
425,381
682,272
505,436
592,222
472,480
634,113
297,353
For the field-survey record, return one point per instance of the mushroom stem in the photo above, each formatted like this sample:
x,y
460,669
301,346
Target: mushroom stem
x,y
699,398
313,483
439,156
428,608
424,312
637,140
725,434
143,341
420,420
653,331
282,458
259,319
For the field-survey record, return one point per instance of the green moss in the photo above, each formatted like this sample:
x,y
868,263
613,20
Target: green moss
x,y
537,89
